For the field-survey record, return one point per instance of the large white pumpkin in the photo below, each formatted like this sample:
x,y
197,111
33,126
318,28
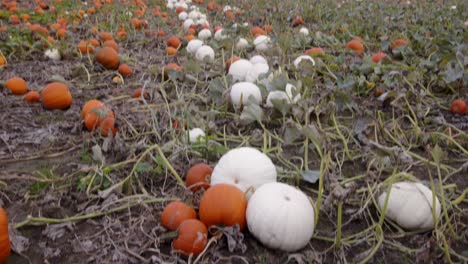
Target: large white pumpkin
x,y
245,167
410,205
280,216
239,69
240,93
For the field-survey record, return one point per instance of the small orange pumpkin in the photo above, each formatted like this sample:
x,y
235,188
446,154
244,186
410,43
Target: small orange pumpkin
x,y
125,70
32,97
137,93
3,61
108,125
377,57
16,85
56,95
108,58
91,104
223,204
4,238
111,44
192,237
197,177
356,46
314,51
173,41
95,117
176,212
171,51
104,36
398,43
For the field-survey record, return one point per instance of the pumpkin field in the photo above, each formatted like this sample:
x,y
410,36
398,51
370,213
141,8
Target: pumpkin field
x,y
201,131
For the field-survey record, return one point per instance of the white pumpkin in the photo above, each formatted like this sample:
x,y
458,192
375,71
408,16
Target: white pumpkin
x,y
196,134
280,216
239,69
188,23
183,16
410,205
276,95
258,59
219,35
240,93
53,54
302,58
246,168
204,34
262,43
257,70
304,31
193,46
205,54
242,44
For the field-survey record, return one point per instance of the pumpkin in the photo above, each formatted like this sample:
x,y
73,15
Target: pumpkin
x,y
175,213
195,135
108,125
56,95
85,47
458,106
4,239
193,46
240,93
410,205
94,103
223,204
257,70
286,96
32,97
104,36
314,51
137,93
111,44
297,21
304,32
230,61
399,43
205,54
125,70
239,69
257,31
95,116
245,168
356,46
3,61
280,216
204,34
242,44
171,51
173,41
192,237
108,58
197,177
16,85
262,43
377,57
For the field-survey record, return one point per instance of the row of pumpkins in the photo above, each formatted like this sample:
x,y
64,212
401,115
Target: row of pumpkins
x,y
243,190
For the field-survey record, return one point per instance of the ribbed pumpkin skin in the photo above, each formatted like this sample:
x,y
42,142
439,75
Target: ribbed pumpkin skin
x,y
192,238
56,95
223,204
4,239
108,58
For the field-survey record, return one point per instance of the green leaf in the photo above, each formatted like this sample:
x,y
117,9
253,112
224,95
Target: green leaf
x,y
251,112
143,167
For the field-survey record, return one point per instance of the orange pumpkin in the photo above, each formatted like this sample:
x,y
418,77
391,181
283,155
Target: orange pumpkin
x,y
173,42
125,70
192,237
3,61
257,31
56,95
91,104
16,85
399,42
176,212
4,238
104,36
95,117
85,47
32,97
198,177
137,93
356,45
297,21
108,125
111,44
314,51
108,58
171,51
223,204
377,57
